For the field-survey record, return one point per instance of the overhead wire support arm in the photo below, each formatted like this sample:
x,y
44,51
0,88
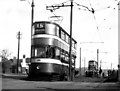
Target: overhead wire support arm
x,y
92,10
54,7
57,6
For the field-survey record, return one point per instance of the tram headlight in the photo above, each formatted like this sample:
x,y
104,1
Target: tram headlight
x,y
38,67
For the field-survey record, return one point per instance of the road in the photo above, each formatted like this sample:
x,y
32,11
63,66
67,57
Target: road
x,y
18,83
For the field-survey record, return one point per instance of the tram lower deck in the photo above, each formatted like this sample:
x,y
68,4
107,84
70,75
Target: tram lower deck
x,y
48,71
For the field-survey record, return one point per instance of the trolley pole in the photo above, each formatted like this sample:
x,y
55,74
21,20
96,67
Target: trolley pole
x,y
18,37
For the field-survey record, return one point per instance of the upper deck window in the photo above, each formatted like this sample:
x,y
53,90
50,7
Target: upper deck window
x,y
73,43
57,31
66,38
62,35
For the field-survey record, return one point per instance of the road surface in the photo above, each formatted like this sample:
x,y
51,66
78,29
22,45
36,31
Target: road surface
x,y
16,83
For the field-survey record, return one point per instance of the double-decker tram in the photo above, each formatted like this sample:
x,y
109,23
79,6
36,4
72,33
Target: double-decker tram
x,y
50,51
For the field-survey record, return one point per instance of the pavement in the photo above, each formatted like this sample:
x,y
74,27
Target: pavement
x,y
57,85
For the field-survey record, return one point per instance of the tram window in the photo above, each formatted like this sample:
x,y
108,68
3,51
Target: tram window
x,y
67,39
33,52
73,43
62,35
66,57
50,53
57,53
62,56
75,46
57,31
33,28
73,59
40,52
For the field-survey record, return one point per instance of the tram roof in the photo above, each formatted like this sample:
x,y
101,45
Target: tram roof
x,y
54,24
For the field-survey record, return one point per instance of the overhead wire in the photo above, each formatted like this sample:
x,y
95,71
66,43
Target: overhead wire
x,y
113,8
93,12
95,20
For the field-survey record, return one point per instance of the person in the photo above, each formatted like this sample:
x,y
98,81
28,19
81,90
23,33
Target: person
x,y
100,72
24,65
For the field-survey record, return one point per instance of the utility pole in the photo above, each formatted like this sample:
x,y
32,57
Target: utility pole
x,y
18,37
111,66
32,19
70,48
84,64
98,59
80,63
100,63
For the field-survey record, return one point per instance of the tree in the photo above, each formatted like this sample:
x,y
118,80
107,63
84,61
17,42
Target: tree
x,y
4,54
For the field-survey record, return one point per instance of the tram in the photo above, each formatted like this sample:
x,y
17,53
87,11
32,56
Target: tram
x,y
92,69
50,51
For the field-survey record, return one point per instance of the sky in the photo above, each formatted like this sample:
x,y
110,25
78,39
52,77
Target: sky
x,y
16,16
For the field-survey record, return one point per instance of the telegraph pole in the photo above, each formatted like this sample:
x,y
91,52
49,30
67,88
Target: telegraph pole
x,y
84,64
32,19
98,59
18,37
111,66
80,63
70,48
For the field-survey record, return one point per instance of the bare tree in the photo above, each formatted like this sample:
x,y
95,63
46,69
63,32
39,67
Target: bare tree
x,y
4,54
